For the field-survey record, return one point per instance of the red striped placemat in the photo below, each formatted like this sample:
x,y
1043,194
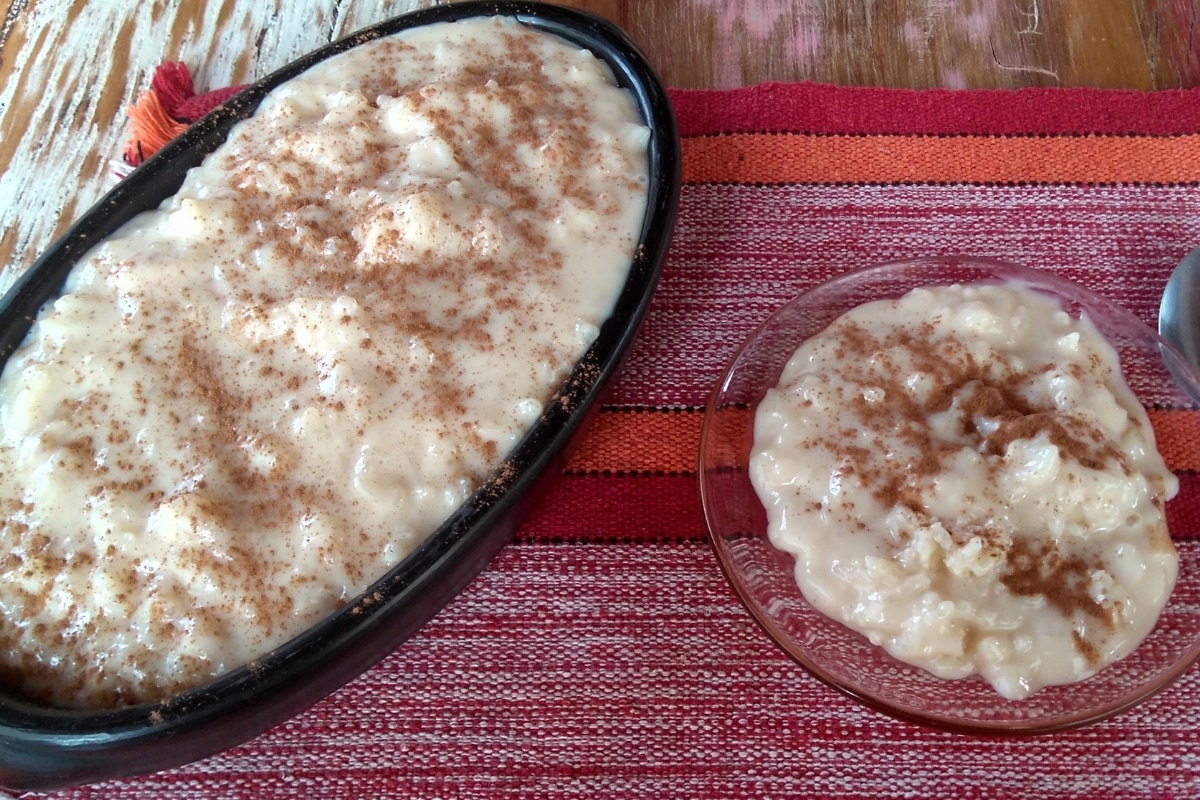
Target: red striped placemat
x,y
603,654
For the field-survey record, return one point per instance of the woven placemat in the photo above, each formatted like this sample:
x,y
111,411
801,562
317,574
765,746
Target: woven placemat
x,y
603,654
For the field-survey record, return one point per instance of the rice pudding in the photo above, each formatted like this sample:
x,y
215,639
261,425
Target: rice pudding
x,y
252,402
964,477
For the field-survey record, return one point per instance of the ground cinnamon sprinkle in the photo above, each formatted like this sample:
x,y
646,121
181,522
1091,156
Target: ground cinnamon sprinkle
x,y
1039,569
980,394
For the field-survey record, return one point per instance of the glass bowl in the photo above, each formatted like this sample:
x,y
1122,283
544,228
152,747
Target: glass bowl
x,y
763,576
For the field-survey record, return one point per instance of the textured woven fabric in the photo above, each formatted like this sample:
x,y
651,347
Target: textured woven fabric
x,y
816,108
603,654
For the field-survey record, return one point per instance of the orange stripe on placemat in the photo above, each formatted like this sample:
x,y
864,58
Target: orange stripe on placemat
x,y
1177,434
668,441
640,441
803,158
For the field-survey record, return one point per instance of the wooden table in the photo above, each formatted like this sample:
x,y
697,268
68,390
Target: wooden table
x,y
69,68
958,44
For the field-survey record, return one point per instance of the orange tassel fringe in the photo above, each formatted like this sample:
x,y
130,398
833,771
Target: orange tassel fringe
x,y
167,109
152,126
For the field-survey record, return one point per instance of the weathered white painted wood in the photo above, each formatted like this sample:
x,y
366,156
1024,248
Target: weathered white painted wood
x,y
69,70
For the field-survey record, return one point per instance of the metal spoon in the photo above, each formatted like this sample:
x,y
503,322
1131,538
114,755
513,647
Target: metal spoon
x,y
1179,316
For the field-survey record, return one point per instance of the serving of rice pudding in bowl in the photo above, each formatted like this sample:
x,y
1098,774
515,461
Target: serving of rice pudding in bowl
x,y
965,478
931,483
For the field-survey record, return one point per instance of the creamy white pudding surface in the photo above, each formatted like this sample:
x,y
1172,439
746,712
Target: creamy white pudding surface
x,y
254,401
964,477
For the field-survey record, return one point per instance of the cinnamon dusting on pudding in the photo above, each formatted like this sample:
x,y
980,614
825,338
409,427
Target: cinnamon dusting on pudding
x,y
964,476
256,400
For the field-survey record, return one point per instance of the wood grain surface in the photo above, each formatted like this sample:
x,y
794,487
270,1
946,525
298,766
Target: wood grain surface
x,y
69,68
920,44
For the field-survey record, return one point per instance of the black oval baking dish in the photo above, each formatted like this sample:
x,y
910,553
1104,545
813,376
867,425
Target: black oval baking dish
x,y
43,748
